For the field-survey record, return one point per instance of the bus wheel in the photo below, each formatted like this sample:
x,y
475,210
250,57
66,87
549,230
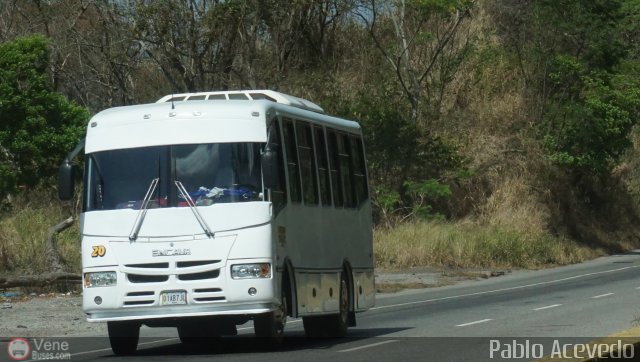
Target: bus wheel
x,y
270,326
123,337
334,325
339,323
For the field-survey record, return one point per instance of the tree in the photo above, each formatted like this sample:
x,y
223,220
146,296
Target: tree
x,y
591,103
579,62
37,125
424,46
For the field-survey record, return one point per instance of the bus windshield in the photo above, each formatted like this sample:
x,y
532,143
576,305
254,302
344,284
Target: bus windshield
x,y
211,173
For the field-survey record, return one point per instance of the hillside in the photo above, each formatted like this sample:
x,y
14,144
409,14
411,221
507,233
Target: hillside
x,y
498,133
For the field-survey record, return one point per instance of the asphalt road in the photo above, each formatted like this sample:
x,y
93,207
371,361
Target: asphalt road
x,y
522,314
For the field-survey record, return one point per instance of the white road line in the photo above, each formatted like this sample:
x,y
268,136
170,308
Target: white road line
x,y
547,307
369,345
476,322
602,295
502,289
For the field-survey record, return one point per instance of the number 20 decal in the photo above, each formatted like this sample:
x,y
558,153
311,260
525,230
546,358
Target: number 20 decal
x,y
98,251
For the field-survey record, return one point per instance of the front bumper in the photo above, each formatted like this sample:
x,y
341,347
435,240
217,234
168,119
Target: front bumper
x,y
210,291
178,312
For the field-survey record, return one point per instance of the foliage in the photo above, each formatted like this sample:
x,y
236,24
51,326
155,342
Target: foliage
x,y
404,161
590,101
577,59
37,126
424,43
587,124
421,192
456,97
448,245
24,232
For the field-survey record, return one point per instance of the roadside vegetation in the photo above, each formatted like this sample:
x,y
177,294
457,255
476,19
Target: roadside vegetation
x,y
447,246
499,133
24,231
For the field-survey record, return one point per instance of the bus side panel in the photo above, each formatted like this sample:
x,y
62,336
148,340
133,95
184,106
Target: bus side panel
x,y
365,290
318,292
318,241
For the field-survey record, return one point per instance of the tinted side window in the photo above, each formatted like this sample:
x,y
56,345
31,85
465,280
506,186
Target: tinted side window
x,y
292,161
359,174
323,166
307,163
334,162
346,171
278,194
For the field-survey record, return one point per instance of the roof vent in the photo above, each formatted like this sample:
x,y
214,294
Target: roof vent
x,y
269,95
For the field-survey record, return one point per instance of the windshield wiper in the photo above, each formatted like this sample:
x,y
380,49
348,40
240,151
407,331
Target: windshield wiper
x,y
192,206
143,210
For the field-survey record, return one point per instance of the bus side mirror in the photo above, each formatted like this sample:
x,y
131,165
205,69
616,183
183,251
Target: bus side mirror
x,y
270,167
66,180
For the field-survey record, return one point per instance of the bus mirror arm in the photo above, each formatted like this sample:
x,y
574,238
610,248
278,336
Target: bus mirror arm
x,y
67,174
269,159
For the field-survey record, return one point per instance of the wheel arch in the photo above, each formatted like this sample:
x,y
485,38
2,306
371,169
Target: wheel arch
x,y
289,280
346,267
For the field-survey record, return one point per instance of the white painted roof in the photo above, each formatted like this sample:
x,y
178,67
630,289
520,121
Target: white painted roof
x,y
246,95
198,121
185,123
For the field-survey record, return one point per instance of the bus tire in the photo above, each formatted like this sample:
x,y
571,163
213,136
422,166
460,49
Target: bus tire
x,y
270,326
334,325
339,323
123,337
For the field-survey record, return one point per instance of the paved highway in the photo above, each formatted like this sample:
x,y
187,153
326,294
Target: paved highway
x,y
533,312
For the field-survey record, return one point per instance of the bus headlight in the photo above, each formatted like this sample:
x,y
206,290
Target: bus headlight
x,y
100,279
251,271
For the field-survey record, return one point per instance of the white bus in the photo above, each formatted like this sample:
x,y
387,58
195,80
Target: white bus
x,y
203,211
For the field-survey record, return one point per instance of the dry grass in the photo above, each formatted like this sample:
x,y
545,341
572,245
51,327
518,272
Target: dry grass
x,y
396,287
23,235
469,245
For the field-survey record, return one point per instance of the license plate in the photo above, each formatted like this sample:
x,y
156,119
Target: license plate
x,y
173,298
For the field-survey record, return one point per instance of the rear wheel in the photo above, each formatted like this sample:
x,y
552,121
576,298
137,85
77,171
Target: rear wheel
x,y
123,337
334,325
339,323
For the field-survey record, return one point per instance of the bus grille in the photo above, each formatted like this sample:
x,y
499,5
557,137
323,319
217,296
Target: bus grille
x,y
141,278
210,274
149,265
160,272
187,264
208,295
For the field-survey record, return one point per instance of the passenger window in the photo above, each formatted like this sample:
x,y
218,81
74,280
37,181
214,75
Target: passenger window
x,y
334,162
359,171
292,161
323,166
279,193
346,171
307,163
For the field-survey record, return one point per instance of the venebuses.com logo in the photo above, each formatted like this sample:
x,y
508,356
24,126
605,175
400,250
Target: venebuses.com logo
x,y
20,349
